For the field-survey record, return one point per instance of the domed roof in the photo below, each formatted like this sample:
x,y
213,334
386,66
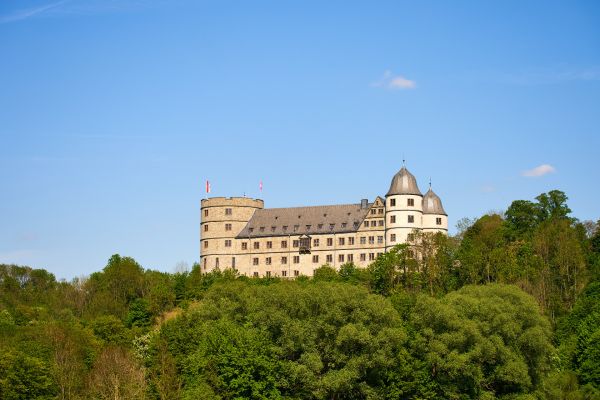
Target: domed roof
x,y
404,183
432,204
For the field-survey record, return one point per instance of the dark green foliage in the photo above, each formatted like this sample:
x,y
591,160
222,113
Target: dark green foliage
x,y
23,377
438,318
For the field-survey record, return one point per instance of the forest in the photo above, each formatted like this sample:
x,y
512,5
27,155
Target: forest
x,y
508,308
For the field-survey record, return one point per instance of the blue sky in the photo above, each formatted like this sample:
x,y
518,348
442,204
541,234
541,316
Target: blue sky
x,y
114,113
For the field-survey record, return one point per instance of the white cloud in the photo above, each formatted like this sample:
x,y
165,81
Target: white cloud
x,y
394,82
488,188
30,12
538,171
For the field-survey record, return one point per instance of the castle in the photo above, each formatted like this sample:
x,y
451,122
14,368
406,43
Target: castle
x,y
239,233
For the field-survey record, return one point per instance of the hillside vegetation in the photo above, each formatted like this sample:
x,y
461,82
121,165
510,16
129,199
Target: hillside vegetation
x,y
509,308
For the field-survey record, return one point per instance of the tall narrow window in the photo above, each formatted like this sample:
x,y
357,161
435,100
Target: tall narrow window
x,y
341,258
315,259
228,211
351,241
227,243
206,213
217,262
392,202
393,219
329,258
438,221
296,259
269,244
205,227
268,260
329,241
233,262
393,237
350,258
227,227
244,246
411,202
411,219
341,241
255,261
256,245
284,244
284,260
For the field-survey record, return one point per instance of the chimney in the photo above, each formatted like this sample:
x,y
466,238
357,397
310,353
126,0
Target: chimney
x,y
364,203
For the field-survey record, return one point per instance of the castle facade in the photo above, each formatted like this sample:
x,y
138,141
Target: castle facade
x,y
239,233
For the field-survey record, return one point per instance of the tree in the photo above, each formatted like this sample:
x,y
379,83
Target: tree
x,y
24,377
553,205
116,376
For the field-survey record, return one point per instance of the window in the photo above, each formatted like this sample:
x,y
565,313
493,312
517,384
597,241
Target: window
x,y
233,262
411,202
373,211
205,264
308,227
410,237
393,237
411,219
315,259
315,242
366,224
393,219
285,228
284,244
283,273
380,211
329,241
341,241
255,274
344,224
255,261
350,257
284,260
373,223
341,258
296,259
273,228
320,226
205,227
227,243
296,228
371,239
228,211
227,227
268,273
262,229
256,245
205,244
438,221
363,257
329,258
206,213
392,202
217,262
331,226
269,245
350,241
244,246
296,272
363,240
295,243
371,256
379,239
268,260
380,222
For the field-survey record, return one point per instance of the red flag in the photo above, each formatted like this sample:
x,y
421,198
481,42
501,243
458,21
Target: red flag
x,y
207,186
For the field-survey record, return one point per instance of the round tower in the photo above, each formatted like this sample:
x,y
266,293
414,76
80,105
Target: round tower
x,y
403,208
221,220
435,218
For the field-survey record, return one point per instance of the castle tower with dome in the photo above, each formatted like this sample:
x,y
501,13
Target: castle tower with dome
x,y
239,233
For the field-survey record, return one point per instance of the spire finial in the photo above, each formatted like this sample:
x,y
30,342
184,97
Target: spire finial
x,y
429,183
403,161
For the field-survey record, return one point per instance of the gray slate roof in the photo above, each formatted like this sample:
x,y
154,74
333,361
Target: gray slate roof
x,y
404,183
432,204
305,220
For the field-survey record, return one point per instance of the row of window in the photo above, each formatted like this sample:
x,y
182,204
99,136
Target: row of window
x,y
315,242
315,258
228,211
283,273
409,202
372,223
